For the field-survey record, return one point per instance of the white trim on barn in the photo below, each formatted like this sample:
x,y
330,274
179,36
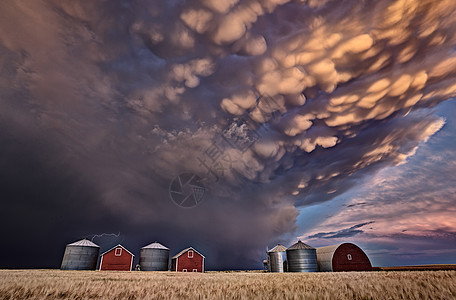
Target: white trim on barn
x,y
116,247
131,263
101,263
185,250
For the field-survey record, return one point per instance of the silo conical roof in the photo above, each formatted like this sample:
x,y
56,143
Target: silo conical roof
x,y
300,245
155,245
278,248
84,243
80,255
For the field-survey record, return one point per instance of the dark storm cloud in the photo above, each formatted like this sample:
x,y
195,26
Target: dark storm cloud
x,y
357,204
44,201
343,233
113,100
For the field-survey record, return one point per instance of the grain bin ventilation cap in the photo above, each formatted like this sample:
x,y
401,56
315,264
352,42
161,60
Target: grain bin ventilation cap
x,y
155,246
278,248
84,243
300,245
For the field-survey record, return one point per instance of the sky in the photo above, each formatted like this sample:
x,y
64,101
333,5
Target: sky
x,y
229,126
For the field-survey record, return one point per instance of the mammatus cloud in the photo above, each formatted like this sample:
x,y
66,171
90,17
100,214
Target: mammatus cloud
x,y
131,94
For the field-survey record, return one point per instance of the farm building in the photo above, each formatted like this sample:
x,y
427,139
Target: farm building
x,y
301,258
154,257
277,259
117,258
342,257
265,265
80,255
188,260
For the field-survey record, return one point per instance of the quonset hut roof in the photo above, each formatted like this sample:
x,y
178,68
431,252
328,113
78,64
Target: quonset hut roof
x,y
328,249
84,243
155,245
278,248
300,245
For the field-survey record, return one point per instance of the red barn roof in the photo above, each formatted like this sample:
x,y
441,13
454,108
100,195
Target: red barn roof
x,y
117,258
185,250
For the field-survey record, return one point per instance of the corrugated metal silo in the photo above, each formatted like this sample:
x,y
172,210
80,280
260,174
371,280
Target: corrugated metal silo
x,y
277,259
81,255
341,258
302,258
154,257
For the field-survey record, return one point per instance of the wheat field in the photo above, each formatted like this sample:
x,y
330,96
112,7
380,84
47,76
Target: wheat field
x,y
56,284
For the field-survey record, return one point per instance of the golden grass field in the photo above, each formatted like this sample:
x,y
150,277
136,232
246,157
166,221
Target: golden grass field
x,y
55,284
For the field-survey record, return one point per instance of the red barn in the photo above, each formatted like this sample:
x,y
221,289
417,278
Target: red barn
x,y
188,260
117,258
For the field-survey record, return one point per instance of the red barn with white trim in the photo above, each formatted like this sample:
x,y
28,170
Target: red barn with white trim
x,y
117,258
188,260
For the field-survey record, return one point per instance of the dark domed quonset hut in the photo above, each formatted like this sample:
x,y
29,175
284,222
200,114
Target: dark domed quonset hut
x,y
277,259
343,257
154,257
301,258
81,255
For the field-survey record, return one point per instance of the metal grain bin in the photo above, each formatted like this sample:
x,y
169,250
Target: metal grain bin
x,y
81,255
277,259
154,257
302,258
